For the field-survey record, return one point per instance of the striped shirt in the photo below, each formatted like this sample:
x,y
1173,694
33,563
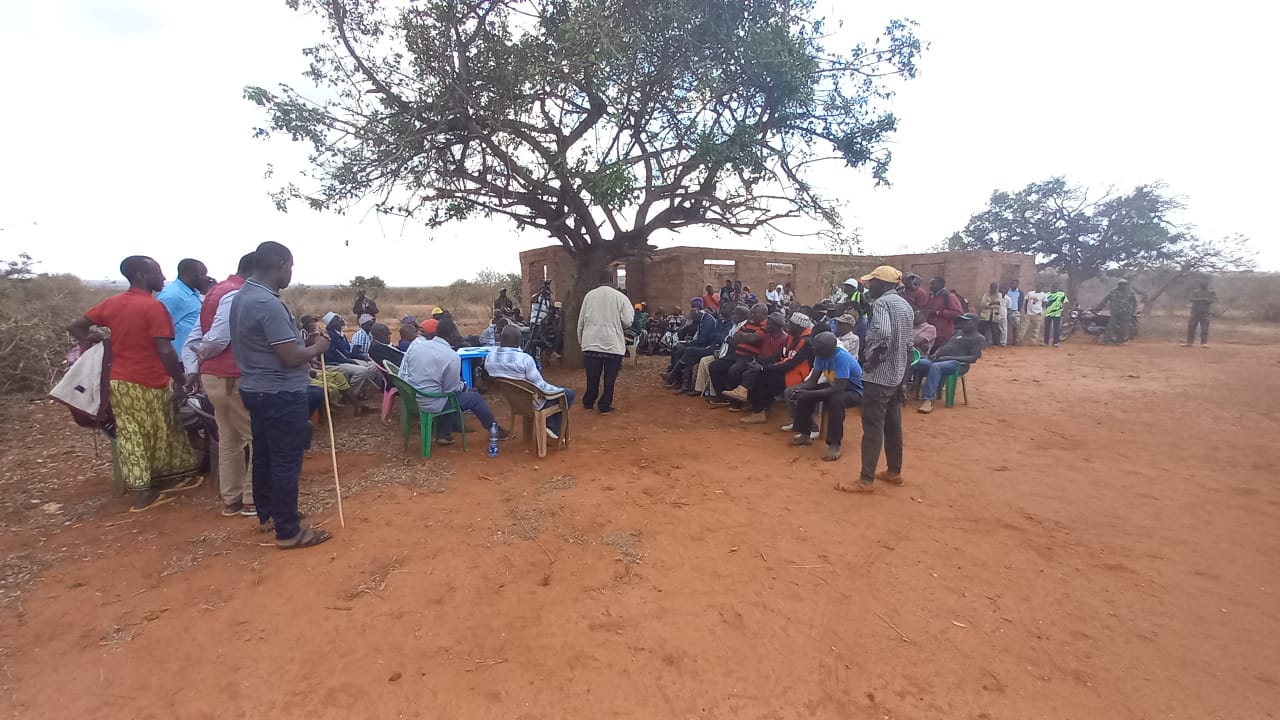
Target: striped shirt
x,y
361,341
892,326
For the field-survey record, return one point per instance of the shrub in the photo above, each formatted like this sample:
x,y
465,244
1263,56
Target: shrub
x,y
34,314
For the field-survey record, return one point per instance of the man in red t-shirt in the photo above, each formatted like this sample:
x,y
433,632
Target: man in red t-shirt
x,y
146,382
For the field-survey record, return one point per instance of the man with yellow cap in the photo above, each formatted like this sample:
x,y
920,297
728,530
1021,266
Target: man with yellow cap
x,y
887,353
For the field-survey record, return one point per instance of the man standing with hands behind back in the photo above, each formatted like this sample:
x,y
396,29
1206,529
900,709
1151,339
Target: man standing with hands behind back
x,y
604,314
888,354
274,375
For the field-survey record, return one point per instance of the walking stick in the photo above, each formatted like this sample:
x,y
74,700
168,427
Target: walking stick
x,y
333,450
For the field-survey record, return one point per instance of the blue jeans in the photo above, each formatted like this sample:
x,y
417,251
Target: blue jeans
x,y
281,426
933,371
470,401
553,422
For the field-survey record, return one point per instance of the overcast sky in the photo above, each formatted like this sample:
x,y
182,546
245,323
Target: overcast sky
x,y
124,131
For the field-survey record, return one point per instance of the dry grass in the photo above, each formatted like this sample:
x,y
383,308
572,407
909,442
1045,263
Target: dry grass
x,y
377,582
204,544
471,305
627,543
559,482
34,314
315,498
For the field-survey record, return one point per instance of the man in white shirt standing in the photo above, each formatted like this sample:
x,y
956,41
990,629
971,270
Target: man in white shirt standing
x,y
1032,321
509,361
604,314
1014,335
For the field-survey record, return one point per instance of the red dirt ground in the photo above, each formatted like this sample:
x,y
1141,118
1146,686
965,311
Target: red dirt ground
x,y
1097,535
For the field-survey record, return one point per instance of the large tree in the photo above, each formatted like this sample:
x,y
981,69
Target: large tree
x,y
1072,230
599,122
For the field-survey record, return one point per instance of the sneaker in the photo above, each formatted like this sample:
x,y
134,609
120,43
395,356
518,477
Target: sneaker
x,y
1204,346
788,427
552,434
926,407
815,434
755,418
234,509
1186,344
248,509
801,441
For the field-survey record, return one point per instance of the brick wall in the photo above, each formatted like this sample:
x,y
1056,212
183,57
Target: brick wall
x,y
671,276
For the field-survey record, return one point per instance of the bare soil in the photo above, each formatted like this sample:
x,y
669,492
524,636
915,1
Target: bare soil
x,y
1096,535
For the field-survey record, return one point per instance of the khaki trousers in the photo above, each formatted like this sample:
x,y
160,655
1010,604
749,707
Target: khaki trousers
x,y
702,376
235,482
1031,327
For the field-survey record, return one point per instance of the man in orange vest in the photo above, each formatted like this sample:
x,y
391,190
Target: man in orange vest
x,y
209,363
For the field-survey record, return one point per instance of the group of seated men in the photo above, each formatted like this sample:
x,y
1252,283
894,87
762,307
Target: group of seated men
x,y
746,358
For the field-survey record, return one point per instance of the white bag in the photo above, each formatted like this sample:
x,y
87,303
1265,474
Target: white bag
x,y
81,388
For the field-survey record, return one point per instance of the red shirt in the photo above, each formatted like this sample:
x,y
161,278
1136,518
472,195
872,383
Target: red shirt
x,y
711,301
136,319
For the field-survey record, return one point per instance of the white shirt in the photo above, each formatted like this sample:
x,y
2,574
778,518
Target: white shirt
x,y
516,364
1006,307
1035,303
201,346
605,312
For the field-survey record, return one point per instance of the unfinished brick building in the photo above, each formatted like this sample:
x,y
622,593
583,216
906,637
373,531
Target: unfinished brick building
x,y
670,276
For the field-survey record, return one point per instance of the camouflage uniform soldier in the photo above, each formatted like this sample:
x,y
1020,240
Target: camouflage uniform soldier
x,y
1123,302
1202,300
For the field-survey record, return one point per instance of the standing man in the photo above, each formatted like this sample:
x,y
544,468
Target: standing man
x,y
1033,320
183,297
1015,313
274,367
210,363
503,305
1123,302
1054,303
363,305
711,299
992,308
1202,300
888,353
942,309
146,385
604,315
914,294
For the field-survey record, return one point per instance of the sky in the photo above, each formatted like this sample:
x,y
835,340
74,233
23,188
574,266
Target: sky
x,y
125,132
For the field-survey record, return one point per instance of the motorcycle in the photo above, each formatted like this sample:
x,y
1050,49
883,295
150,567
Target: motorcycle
x,y
1094,322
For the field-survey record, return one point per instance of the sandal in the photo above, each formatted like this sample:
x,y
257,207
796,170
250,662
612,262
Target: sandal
x,y
188,483
156,499
308,537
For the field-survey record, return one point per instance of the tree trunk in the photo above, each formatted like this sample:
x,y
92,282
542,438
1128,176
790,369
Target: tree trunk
x,y
586,277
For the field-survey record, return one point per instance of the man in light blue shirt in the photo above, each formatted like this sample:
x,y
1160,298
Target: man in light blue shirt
x,y
431,366
509,361
1015,313
182,298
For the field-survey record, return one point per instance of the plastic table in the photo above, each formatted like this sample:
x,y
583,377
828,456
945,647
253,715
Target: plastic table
x,y
470,356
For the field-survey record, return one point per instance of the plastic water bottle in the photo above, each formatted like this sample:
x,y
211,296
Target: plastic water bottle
x,y
493,440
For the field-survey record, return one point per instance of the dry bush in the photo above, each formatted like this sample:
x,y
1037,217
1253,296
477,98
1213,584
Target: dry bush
x,y
471,304
34,314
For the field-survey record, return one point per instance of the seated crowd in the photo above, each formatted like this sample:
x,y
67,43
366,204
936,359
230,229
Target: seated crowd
x,y
810,358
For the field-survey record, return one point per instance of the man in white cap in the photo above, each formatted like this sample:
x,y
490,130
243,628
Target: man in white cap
x,y
888,355
361,340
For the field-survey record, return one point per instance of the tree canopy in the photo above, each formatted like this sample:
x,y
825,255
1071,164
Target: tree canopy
x,y
1072,230
600,122
373,282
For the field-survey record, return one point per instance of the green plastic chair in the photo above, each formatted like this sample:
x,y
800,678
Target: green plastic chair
x,y
409,395
951,380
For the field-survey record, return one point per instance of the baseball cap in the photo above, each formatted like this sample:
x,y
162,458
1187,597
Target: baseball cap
x,y
885,273
408,320
847,319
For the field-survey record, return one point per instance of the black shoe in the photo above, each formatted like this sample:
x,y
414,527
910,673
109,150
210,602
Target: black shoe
x,y
720,401
606,411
